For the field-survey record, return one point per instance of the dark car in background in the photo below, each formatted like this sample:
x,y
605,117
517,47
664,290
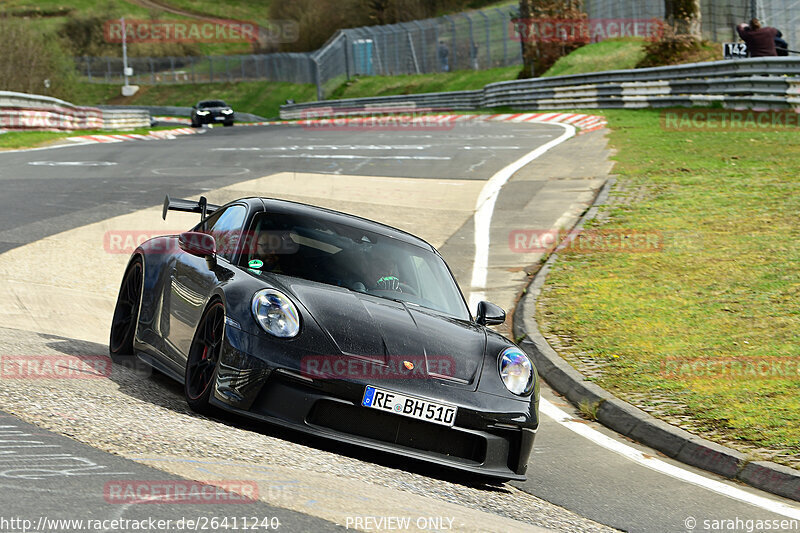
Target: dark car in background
x,y
212,112
333,325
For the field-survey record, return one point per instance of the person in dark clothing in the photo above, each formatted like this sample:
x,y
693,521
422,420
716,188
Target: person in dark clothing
x,y
781,46
760,40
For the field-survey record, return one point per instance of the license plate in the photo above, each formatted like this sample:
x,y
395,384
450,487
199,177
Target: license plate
x,y
410,406
219,118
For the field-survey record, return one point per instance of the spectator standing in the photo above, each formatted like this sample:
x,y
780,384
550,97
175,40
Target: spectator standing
x,y
760,40
444,57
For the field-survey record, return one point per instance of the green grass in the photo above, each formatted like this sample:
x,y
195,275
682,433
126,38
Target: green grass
x,y
245,10
461,80
130,10
725,286
260,98
264,98
30,139
613,54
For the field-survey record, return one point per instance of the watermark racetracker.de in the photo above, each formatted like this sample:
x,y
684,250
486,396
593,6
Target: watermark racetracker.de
x,y
730,367
717,120
526,241
378,118
180,492
378,367
55,367
199,31
583,31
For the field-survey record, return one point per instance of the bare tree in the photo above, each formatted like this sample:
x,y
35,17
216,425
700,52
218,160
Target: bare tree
x,y
33,62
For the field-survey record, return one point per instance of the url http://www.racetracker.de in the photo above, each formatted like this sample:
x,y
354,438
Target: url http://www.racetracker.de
x,y
199,523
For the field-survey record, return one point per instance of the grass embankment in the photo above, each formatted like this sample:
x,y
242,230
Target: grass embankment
x,y
50,15
621,54
264,98
613,54
460,80
706,331
30,139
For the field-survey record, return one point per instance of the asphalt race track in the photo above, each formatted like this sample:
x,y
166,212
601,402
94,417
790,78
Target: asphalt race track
x,y
64,442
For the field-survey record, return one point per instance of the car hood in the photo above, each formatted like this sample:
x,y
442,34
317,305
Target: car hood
x,y
388,332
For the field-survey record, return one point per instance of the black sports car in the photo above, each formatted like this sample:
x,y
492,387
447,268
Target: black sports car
x,y
333,325
212,112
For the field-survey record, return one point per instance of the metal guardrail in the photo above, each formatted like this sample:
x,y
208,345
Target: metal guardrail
x,y
772,83
19,111
125,119
178,111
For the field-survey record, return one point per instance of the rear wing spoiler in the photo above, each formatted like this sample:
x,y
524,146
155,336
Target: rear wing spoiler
x,y
189,206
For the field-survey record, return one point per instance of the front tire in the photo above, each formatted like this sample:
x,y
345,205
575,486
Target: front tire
x,y
203,358
227,124
126,313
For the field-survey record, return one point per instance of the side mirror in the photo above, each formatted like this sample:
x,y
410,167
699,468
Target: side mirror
x,y
200,245
489,314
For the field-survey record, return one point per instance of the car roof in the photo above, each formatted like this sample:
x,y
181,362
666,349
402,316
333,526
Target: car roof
x,y
201,102
275,205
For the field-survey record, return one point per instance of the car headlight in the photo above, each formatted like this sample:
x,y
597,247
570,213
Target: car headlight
x,y
203,113
276,313
516,370
227,111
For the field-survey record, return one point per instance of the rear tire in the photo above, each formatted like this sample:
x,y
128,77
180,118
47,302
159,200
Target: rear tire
x,y
126,314
203,359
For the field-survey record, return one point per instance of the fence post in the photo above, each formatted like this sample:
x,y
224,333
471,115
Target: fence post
x,y
473,50
172,67
317,78
505,34
397,68
453,45
423,47
346,55
210,68
108,70
488,39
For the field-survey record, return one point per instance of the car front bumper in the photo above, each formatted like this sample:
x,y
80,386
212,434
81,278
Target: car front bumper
x,y
492,436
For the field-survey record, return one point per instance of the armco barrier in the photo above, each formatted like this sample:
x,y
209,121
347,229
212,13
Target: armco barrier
x,y
177,111
33,112
19,111
762,83
125,119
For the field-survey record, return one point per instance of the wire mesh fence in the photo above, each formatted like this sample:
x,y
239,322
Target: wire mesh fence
x,y
474,40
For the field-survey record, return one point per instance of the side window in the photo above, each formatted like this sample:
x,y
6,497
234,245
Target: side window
x,y
226,228
429,286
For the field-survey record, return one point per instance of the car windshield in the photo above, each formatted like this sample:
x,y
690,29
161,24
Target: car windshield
x,y
212,103
347,256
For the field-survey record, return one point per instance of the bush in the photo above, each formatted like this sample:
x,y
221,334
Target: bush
x,y
31,61
85,36
671,49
